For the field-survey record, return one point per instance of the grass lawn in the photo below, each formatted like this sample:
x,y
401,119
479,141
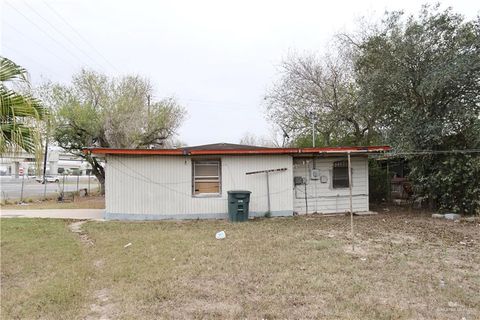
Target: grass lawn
x,y
406,266
91,202
43,270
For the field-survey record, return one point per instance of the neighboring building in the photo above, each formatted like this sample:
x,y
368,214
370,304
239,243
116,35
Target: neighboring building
x,y
19,163
192,182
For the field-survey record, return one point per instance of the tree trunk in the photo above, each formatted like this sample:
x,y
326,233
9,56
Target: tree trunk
x,y
98,171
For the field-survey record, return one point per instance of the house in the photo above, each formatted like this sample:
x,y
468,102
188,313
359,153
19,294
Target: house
x,y
192,182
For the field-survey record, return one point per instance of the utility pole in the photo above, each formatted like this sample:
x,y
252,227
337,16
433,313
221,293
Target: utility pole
x,y
312,120
45,163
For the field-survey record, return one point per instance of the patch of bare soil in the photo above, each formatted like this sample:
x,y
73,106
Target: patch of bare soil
x,y
76,227
357,250
102,308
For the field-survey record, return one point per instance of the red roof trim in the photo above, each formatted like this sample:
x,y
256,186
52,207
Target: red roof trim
x,y
173,152
179,152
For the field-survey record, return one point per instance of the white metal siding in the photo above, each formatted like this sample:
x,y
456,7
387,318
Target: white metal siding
x,y
162,185
322,197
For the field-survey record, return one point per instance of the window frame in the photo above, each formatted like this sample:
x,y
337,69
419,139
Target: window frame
x,y
214,178
343,166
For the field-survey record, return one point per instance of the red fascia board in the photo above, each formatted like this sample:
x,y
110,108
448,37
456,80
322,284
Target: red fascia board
x,y
293,150
173,152
239,151
346,149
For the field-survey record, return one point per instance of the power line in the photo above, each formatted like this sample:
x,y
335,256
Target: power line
x,y
33,60
62,34
47,34
38,43
79,35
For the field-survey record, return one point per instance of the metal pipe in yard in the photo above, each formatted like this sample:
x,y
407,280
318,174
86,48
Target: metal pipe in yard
x,y
89,182
78,179
389,184
306,200
351,202
268,193
305,184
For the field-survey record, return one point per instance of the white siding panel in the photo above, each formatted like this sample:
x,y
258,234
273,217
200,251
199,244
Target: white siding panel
x,y
162,185
322,197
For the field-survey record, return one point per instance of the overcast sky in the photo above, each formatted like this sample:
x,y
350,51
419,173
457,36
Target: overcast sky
x,y
217,57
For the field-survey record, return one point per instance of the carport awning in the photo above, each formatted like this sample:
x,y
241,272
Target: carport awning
x,y
330,151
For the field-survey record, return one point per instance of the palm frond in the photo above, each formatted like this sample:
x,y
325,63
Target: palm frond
x,y
19,113
9,71
13,105
17,135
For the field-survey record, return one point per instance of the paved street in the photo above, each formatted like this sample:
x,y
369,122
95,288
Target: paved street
x,y
54,213
11,188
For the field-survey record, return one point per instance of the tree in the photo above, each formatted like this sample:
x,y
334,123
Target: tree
x,y
251,139
19,113
321,92
97,111
423,72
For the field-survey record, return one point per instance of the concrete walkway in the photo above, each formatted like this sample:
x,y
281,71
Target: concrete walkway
x,y
54,213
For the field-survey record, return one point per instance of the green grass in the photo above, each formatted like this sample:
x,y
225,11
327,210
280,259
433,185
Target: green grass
x,y
43,270
405,267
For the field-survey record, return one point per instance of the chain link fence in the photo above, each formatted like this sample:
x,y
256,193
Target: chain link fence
x,y
28,188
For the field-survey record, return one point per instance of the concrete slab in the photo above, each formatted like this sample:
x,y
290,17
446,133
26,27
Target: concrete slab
x,y
54,213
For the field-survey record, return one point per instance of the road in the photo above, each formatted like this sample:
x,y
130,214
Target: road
x,y
11,188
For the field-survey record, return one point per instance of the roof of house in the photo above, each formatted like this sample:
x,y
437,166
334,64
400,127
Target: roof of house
x,y
235,149
223,146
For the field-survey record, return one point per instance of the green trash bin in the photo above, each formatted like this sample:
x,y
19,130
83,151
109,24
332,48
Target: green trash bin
x,y
238,201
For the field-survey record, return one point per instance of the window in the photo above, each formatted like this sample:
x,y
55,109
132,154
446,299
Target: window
x,y
340,174
206,177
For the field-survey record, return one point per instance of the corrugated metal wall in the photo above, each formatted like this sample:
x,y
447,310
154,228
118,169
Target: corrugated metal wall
x,y
162,185
322,197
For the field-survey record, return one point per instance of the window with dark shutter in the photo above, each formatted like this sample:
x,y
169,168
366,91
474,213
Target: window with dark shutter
x,y
340,174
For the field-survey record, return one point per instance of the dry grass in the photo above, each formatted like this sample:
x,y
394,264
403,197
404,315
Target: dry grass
x,y
43,270
91,202
405,266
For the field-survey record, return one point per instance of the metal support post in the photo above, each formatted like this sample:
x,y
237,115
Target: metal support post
x,y
351,200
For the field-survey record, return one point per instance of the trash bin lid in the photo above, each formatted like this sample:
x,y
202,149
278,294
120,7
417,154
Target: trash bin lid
x,y
238,191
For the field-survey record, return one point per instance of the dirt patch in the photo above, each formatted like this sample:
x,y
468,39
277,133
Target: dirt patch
x,y
103,308
76,227
99,263
357,251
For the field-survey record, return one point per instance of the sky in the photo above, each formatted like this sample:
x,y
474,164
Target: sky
x,y
218,58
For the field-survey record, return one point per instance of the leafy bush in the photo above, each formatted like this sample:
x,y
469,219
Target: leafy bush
x,y
451,182
378,182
